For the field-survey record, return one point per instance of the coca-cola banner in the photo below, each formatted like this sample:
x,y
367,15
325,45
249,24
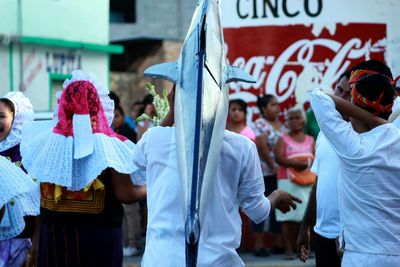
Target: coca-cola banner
x,y
288,57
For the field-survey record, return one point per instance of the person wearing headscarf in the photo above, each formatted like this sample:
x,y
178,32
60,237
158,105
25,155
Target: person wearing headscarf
x,y
15,111
368,183
84,169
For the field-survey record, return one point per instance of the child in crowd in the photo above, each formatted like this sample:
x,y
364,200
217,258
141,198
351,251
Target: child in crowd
x,y
119,125
289,148
237,119
268,129
15,110
150,110
134,112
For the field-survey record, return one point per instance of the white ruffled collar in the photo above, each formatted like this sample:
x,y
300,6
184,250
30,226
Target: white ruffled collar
x,y
12,140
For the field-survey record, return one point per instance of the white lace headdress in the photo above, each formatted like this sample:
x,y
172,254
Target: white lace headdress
x,y
23,113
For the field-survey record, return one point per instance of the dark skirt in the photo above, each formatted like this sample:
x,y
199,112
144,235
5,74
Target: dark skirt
x,y
74,246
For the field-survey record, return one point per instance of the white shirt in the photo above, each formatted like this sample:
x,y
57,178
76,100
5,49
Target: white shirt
x,y
326,166
369,183
238,181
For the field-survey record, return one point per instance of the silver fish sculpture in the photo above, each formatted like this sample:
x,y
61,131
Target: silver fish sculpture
x,y
201,109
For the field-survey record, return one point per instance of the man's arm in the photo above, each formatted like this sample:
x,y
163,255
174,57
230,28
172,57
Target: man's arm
x,y
283,201
124,190
344,140
303,240
353,111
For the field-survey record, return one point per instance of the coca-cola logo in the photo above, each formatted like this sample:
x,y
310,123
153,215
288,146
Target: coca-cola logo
x,y
286,61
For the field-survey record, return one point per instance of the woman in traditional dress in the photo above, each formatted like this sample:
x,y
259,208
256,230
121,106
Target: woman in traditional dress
x,y
83,167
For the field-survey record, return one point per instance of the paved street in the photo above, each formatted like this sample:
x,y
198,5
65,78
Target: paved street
x,y
249,260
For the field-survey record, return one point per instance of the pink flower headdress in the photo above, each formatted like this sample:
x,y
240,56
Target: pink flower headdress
x,y
81,144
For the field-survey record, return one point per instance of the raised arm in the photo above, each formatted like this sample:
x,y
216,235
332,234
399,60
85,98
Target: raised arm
x,y
351,110
340,134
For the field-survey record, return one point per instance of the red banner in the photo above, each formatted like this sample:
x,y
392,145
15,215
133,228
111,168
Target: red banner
x,y
286,61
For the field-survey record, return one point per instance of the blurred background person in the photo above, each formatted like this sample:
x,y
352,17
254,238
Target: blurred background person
x,y
268,129
134,112
120,126
150,110
131,226
237,119
290,151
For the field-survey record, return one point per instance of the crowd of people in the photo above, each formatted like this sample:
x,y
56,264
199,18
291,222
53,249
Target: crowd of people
x,y
83,188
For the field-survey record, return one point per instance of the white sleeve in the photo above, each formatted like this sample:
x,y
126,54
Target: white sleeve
x,y
339,133
251,186
140,160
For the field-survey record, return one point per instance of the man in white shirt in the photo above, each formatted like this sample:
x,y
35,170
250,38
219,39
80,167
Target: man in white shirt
x,y
323,197
368,183
238,182
323,208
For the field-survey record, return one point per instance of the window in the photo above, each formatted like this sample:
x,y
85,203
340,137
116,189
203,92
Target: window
x,y
122,11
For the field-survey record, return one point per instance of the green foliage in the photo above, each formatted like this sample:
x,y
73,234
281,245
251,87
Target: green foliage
x,y
161,105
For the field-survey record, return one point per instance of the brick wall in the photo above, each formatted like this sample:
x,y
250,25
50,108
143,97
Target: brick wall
x,y
130,86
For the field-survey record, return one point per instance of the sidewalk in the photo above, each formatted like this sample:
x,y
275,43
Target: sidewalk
x,y
249,260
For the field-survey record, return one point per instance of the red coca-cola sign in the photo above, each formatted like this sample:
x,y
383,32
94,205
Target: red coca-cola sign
x,y
288,60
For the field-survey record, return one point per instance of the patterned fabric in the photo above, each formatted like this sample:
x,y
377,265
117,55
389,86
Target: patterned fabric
x,y
262,126
360,100
90,201
81,97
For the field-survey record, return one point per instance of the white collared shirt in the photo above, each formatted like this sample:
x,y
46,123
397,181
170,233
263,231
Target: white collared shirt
x,y
369,182
326,166
238,182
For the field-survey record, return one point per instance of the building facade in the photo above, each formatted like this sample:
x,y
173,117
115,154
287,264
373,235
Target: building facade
x,y
41,42
151,32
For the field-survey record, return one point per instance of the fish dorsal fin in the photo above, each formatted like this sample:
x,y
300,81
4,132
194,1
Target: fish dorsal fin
x,y
235,74
167,71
